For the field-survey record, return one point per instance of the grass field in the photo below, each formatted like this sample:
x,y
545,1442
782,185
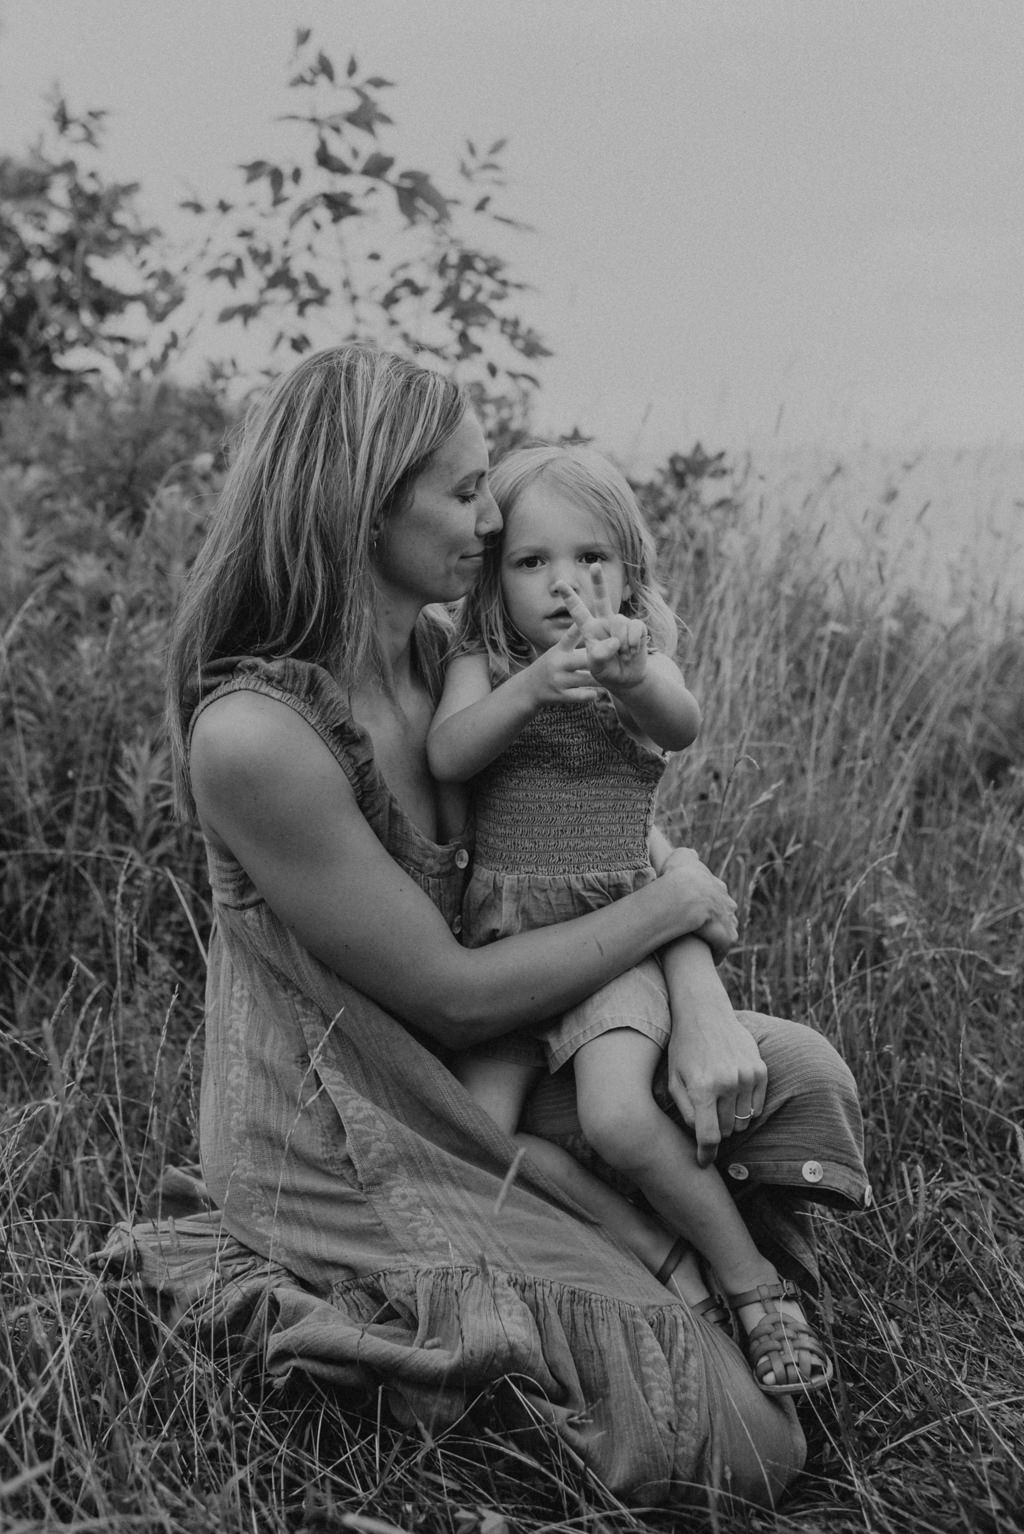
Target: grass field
x,y
859,782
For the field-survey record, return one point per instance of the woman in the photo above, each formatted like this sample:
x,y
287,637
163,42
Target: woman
x,y
404,1247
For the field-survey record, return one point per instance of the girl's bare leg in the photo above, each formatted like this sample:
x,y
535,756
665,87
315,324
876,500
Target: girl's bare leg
x,y
645,1237
625,1126
499,1086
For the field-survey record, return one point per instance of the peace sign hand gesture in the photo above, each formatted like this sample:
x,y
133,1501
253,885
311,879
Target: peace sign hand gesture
x,y
616,646
562,674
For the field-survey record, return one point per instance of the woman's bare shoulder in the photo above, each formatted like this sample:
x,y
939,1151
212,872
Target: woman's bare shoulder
x,y
242,730
253,753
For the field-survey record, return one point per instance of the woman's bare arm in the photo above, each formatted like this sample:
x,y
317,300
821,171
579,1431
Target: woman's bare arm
x,y
267,788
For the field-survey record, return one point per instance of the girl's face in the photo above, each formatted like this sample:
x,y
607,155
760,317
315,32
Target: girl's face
x,y
549,539
432,549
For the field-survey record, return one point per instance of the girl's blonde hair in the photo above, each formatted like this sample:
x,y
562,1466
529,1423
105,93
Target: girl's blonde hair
x,y
325,457
591,482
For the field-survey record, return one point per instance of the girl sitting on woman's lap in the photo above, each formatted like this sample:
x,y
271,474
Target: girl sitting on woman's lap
x,y
559,707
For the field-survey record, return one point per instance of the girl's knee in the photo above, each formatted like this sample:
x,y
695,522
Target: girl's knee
x,y
620,1128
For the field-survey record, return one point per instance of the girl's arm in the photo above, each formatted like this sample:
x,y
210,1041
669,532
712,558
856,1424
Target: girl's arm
x,y
660,705
269,790
473,723
649,692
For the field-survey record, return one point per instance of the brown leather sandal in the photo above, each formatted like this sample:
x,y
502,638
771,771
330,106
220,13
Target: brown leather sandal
x,y
782,1345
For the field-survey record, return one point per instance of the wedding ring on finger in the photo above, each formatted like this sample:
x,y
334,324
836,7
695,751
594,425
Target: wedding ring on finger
x,y
743,1118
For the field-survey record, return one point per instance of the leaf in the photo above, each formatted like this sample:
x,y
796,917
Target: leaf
x,y
424,191
378,84
497,146
281,278
352,65
254,170
302,36
377,164
364,116
325,66
243,312
407,202
339,205
328,161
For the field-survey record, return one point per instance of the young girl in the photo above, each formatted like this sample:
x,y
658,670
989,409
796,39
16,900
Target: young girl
x,y
559,706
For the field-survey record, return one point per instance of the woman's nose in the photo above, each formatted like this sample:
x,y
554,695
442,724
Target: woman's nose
x,y
489,519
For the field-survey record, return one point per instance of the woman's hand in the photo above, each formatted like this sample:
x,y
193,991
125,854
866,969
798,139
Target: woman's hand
x,y
716,1076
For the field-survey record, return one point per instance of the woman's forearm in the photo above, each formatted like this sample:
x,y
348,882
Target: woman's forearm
x,y
485,992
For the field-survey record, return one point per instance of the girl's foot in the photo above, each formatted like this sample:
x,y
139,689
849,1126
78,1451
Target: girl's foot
x,y
785,1353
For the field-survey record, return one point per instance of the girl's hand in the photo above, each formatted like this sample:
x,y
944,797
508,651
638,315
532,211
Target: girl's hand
x,y
615,646
562,674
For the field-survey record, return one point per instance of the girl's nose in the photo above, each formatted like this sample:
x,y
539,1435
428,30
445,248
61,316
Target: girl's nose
x,y
564,575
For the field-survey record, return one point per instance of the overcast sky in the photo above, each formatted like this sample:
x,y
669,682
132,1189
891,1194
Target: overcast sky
x,y
745,209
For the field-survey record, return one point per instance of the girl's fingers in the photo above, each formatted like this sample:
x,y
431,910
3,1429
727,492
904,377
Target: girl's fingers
x,y
602,604
637,635
604,649
570,639
579,612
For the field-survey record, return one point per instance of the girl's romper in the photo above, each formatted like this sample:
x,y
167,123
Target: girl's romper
x,y
563,818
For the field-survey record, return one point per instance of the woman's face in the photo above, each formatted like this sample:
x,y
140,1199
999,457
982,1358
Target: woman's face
x,y
433,547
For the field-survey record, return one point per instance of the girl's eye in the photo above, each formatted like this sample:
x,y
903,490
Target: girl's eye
x,y
469,497
594,558
529,562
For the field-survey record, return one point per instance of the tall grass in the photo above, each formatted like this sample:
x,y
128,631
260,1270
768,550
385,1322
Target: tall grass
x,y
858,782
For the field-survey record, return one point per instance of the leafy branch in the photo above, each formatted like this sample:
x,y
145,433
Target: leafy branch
x,y
346,242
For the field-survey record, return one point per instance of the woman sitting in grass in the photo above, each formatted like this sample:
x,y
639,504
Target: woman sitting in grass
x,y
358,1184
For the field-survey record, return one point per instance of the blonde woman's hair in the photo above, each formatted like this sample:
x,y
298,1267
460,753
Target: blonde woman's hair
x,y
325,457
591,482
